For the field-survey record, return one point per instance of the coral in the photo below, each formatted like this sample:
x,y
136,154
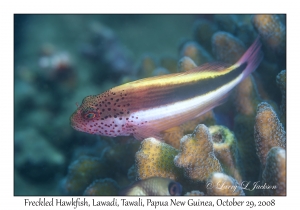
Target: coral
x,y
244,133
105,48
160,71
155,159
196,155
274,174
146,66
83,172
57,67
226,23
281,82
203,31
50,78
153,186
36,164
172,136
227,48
246,97
272,31
185,64
207,118
268,131
196,52
222,184
169,63
268,71
100,187
225,149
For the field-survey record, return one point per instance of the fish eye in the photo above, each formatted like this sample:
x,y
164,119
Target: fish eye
x,y
89,115
175,188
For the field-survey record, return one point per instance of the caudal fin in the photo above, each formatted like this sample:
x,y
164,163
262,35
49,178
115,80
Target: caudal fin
x,y
252,58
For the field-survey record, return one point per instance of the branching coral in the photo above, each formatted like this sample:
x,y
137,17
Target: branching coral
x,y
83,172
203,31
268,131
155,159
173,135
281,82
197,155
196,52
272,31
227,48
186,63
102,187
146,66
225,149
246,97
169,63
274,174
221,184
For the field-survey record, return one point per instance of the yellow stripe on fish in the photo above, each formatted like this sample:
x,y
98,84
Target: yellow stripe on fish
x,y
146,107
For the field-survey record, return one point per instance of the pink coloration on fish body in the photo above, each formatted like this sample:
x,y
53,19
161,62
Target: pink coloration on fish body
x,y
146,107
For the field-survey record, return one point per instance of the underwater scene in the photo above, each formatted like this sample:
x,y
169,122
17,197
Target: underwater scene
x,y
191,105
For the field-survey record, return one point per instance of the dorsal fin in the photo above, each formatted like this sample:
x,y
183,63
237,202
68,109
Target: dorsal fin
x,y
213,66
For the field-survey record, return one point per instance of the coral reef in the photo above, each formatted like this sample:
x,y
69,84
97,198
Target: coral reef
x,y
146,66
197,155
203,31
272,31
226,47
222,184
102,187
82,173
268,131
155,159
173,135
34,164
196,52
226,151
169,63
185,64
281,82
274,174
60,59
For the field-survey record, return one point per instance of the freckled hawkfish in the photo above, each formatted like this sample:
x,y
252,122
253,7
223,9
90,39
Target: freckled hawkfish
x,y
145,107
